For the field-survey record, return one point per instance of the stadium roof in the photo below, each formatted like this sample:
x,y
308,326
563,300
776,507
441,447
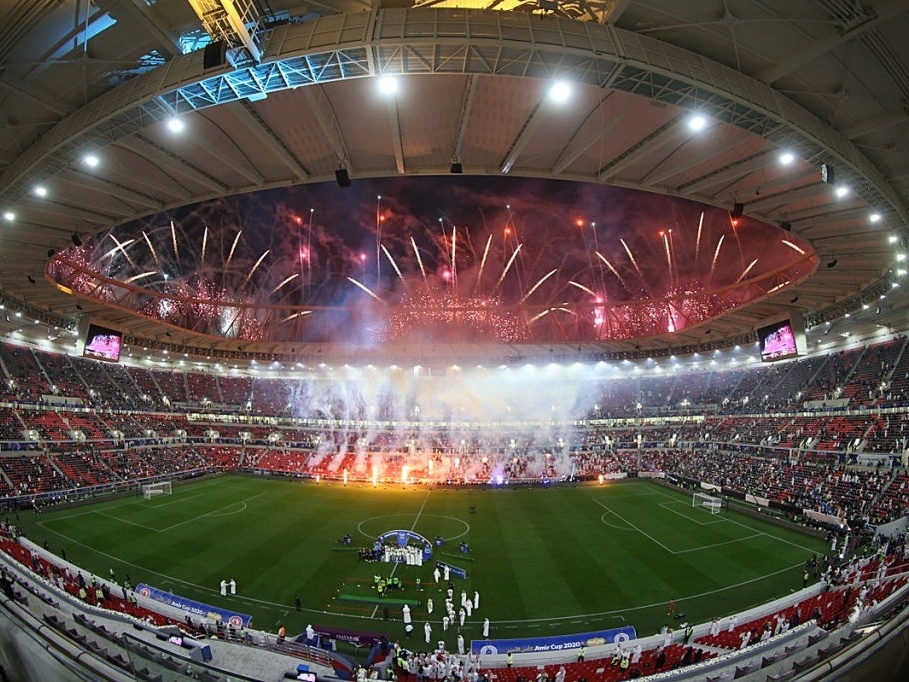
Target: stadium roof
x,y
292,98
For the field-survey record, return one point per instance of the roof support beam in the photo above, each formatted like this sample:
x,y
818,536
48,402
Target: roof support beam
x,y
751,190
466,104
875,123
730,173
129,197
68,211
813,50
142,13
657,177
576,148
180,165
775,201
325,116
249,117
814,217
54,105
171,192
394,121
531,123
656,140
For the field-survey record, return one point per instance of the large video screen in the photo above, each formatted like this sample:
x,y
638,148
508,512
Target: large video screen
x,y
777,341
102,343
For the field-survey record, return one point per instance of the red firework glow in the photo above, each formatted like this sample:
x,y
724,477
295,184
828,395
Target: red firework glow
x,y
490,273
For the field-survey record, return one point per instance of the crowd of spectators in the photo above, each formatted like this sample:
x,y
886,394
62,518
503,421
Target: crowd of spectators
x,y
863,377
794,435
69,423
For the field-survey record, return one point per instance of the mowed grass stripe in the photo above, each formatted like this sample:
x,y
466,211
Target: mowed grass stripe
x,y
603,555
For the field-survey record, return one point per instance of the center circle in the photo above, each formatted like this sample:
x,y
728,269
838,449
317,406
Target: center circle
x,y
447,527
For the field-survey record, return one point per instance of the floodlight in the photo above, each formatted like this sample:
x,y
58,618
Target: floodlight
x,y
559,91
697,122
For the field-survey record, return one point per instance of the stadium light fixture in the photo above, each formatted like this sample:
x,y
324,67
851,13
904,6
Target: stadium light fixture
x,y
697,122
175,125
559,91
91,160
40,191
786,158
841,191
388,85
874,218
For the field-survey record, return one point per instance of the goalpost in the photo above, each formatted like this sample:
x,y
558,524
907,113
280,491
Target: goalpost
x,y
714,504
150,490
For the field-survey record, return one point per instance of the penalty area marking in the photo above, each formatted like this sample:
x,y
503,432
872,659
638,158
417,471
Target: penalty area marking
x,y
634,527
673,551
179,500
720,544
756,533
603,520
727,519
131,523
128,502
680,551
242,508
216,513
668,507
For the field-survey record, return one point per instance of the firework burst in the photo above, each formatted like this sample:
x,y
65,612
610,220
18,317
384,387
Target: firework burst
x,y
255,269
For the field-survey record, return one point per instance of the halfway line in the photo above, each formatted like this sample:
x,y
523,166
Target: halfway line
x,y
412,526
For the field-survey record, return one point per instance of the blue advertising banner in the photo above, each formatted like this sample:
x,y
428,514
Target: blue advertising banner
x,y
456,571
229,618
491,647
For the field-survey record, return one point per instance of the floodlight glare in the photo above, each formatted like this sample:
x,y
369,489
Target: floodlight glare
x,y
559,91
175,125
40,191
388,85
91,160
697,122
875,217
786,158
842,191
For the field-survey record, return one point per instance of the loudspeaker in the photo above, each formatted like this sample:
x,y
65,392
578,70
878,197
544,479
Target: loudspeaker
x,y
76,240
342,177
737,209
456,167
214,54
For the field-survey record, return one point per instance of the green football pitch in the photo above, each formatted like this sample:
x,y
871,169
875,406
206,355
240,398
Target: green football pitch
x,y
545,561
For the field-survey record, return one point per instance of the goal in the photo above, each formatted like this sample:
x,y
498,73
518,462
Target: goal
x,y
714,504
159,488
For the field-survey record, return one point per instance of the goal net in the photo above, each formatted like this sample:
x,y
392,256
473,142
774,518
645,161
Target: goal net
x,y
152,489
714,504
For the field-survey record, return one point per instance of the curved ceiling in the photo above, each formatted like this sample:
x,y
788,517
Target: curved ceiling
x,y
297,99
